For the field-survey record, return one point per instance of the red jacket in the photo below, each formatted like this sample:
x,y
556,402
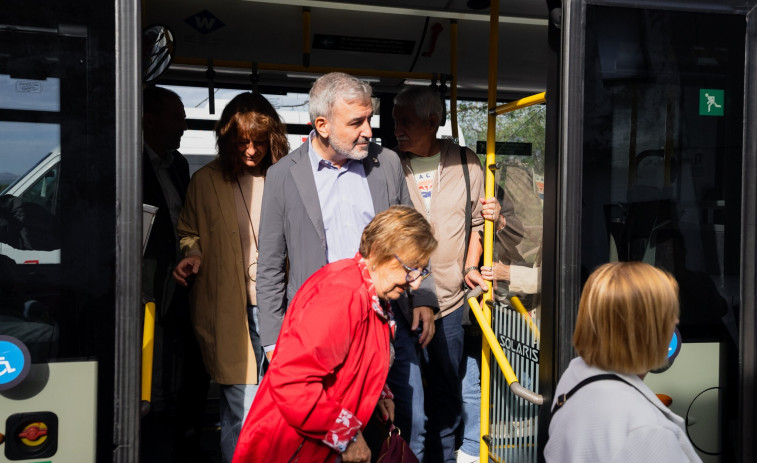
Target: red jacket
x,y
327,373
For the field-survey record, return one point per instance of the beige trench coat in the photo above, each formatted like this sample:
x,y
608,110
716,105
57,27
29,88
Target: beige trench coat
x,y
218,298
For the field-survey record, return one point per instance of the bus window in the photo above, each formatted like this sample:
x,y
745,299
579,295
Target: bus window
x,y
58,95
198,144
520,139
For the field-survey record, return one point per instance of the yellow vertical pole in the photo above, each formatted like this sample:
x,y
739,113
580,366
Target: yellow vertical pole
x,y
489,225
453,72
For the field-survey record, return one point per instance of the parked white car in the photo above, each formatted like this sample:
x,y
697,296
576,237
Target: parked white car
x,y
39,186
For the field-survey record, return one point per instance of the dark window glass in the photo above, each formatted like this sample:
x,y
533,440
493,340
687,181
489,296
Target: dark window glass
x,y
662,180
54,257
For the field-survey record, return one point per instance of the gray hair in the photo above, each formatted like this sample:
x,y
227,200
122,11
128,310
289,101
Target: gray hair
x,y
335,85
425,100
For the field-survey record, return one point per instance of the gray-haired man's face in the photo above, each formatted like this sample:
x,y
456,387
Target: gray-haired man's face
x,y
350,128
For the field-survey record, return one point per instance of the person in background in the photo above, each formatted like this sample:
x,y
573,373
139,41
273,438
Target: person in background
x,y
27,225
510,272
219,230
626,318
436,180
508,234
322,195
328,371
180,384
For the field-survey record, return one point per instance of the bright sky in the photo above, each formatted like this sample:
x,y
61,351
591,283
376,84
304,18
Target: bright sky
x,y
23,144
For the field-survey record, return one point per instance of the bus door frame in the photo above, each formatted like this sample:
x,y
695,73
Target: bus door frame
x,y
562,206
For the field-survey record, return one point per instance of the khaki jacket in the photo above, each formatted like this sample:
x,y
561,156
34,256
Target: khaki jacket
x,y
218,298
447,217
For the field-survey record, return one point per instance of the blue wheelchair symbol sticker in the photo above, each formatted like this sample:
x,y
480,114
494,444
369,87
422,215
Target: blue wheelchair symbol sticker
x,y
15,362
674,348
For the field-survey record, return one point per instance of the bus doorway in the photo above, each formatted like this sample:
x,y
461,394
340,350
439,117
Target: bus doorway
x,y
657,123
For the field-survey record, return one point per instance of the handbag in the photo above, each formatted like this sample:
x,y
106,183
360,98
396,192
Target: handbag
x,y
395,449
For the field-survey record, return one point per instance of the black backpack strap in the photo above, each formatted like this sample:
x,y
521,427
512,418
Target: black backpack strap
x,y
468,212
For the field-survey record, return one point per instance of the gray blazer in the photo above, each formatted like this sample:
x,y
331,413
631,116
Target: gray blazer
x,y
291,226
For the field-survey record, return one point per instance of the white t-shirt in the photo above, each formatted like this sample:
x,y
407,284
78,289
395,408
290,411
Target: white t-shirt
x,y
424,171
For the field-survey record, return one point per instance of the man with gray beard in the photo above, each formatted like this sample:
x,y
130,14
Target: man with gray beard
x,y
318,199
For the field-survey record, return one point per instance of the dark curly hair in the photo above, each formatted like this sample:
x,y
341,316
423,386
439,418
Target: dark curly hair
x,y
248,115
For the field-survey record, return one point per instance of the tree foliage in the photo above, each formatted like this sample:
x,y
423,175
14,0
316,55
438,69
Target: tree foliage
x,y
526,125
517,174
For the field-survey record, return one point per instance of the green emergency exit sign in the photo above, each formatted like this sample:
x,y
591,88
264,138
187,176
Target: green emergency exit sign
x,y
711,102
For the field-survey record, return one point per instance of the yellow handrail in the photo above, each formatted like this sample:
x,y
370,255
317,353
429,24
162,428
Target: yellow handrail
x,y
488,225
148,345
491,340
520,104
489,344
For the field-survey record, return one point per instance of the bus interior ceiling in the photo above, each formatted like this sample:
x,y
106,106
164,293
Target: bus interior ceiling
x,y
265,38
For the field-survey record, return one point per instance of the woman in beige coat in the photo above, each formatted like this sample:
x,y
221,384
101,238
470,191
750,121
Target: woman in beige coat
x,y
218,229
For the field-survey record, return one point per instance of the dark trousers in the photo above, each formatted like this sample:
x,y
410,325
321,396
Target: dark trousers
x,y
443,402
191,399
429,414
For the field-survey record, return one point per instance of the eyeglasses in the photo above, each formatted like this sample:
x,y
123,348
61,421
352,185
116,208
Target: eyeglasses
x,y
413,273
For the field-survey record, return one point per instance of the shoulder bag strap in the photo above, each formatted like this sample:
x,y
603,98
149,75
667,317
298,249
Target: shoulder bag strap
x,y
562,398
468,213
545,413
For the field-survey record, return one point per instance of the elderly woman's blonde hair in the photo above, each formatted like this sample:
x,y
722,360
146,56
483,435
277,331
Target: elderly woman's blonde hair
x,y
626,317
398,230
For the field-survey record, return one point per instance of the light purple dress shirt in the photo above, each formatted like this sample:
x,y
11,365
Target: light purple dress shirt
x,y
346,204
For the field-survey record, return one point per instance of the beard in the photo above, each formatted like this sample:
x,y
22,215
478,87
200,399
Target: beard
x,y
353,151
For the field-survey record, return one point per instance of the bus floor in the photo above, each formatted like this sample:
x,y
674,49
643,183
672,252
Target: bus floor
x,y
158,444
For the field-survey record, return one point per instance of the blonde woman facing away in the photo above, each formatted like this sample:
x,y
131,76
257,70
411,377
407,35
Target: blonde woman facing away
x,y
626,318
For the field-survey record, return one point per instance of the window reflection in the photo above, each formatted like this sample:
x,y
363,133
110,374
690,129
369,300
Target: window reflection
x,y
29,94
520,190
30,239
658,171
24,144
662,185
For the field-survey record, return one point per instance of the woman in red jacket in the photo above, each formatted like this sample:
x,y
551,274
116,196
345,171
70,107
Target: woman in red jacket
x,y
334,350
